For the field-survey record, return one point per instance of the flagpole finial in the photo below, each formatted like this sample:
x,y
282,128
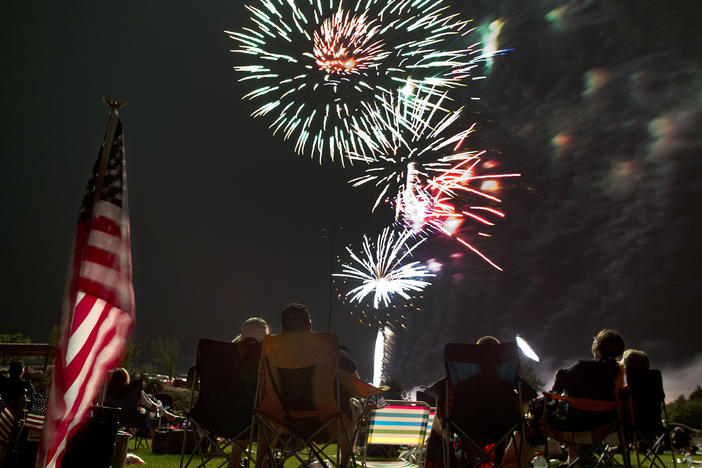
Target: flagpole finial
x,y
113,105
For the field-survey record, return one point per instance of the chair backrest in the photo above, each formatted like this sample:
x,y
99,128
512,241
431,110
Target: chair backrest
x,y
482,380
127,400
298,375
430,421
589,378
165,399
647,396
227,374
399,423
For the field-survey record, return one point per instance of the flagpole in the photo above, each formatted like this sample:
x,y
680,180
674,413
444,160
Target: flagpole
x,y
107,143
114,106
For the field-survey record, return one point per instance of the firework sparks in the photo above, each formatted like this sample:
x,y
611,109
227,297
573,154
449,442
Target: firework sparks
x,y
381,272
381,355
315,64
427,190
346,44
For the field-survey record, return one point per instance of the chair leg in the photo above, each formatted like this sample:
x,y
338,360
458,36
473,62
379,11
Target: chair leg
x,y
623,447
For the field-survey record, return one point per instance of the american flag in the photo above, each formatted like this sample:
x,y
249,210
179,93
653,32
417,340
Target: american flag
x,y
36,413
98,308
7,421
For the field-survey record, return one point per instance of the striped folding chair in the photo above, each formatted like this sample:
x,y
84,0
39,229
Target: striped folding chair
x,y
400,423
430,423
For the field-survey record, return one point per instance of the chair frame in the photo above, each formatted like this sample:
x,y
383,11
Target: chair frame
x,y
205,438
651,455
485,457
597,436
131,419
281,442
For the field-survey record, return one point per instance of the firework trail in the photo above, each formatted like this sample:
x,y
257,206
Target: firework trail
x,y
313,65
382,354
381,272
422,171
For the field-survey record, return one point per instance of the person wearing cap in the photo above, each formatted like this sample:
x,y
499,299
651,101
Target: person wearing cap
x,y
254,328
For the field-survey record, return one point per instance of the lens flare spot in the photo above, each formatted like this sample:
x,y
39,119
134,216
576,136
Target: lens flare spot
x,y
490,186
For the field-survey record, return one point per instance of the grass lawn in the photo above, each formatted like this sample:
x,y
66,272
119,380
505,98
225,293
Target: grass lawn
x,y
170,461
173,461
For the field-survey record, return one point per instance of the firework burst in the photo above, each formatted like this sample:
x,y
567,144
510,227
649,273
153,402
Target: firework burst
x,y
381,272
313,65
394,316
422,170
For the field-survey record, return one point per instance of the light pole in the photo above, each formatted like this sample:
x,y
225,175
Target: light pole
x,y
331,235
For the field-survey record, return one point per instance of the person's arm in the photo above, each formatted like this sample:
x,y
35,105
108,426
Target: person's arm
x,y
147,402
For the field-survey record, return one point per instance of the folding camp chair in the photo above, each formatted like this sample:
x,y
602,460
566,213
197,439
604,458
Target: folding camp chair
x,y
482,402
649,433
399,423
227,388
584,426
10,415
298,414
129,416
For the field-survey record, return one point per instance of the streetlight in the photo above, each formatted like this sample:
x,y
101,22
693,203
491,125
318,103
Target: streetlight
x,y
331,235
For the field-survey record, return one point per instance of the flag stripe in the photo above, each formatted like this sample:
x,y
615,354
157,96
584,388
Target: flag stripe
x,y
96,288
106,225
79,365
110,211
102,257
80,313
7,423
105,241
101,274
79,338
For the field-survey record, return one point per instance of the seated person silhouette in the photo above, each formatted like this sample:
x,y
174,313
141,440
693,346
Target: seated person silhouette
x,y
296,318
119,395
598,379
485,424
13,388
646,388
253,331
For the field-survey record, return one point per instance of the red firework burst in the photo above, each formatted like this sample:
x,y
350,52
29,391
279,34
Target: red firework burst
x,y
347,43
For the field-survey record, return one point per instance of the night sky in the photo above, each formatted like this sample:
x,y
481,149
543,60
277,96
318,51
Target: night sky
x,y
598,104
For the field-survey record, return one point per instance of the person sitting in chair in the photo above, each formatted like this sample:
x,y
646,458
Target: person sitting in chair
x,y
149,408
296,318
489,422
598,379
253,331
14,389
646,389
635,361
